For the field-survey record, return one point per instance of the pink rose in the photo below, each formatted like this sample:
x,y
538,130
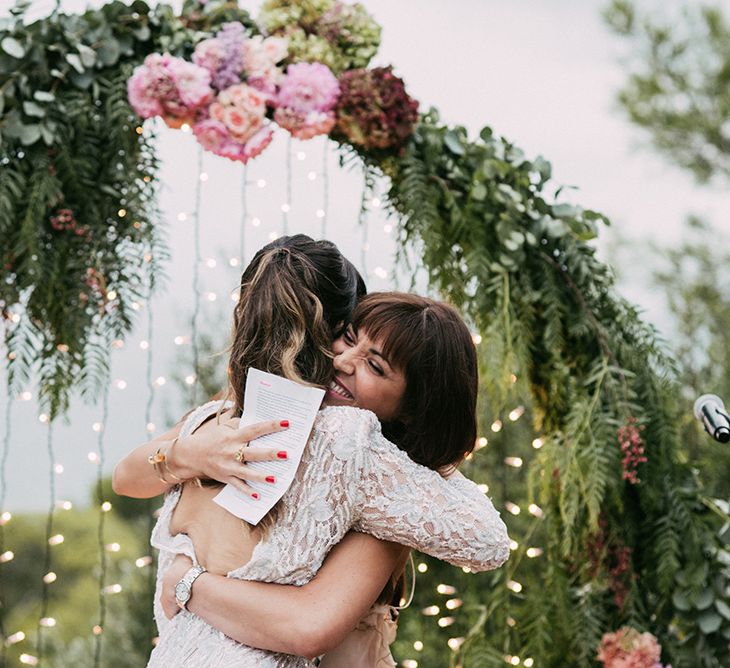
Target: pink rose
x,y
211,134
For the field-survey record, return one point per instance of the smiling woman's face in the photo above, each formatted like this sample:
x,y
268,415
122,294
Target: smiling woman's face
x,y
364,377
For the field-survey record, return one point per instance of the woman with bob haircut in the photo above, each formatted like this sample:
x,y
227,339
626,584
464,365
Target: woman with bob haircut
x,y
396,359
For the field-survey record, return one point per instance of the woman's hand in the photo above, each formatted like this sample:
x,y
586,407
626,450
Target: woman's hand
x,y
220,451
174,574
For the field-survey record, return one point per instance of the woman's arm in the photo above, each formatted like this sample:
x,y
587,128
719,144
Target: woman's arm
x,y
207,453
306,621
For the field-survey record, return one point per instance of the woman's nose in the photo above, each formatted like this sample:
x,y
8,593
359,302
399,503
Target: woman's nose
x,y
344,362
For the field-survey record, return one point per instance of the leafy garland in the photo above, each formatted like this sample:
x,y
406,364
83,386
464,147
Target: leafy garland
x,y
627,541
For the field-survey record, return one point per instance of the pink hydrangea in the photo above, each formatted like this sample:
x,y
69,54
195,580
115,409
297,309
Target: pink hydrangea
x,y
211,134
210,54
627,648
305,126
214,136
308,87
241,109
260,58
169,87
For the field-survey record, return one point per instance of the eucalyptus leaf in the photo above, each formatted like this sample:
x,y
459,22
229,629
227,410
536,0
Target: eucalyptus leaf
x,y
87,54
30,134
452,141
109,52
479,192
705,599
680,601
565,210
74,60
12,47
709,621
44,96
723,608
33,109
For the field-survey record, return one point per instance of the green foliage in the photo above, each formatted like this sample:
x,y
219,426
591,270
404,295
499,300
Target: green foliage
x,y
74,596
678,88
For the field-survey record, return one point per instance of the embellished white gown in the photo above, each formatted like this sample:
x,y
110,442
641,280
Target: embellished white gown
x,y
350,477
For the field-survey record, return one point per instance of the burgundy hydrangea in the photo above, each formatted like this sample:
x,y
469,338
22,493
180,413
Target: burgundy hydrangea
x,y
64,221
374,110
632,449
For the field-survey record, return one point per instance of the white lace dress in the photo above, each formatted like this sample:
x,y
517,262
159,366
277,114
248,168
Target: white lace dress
x,y
350,477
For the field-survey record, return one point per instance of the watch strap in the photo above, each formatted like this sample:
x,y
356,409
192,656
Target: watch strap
x,y
188,579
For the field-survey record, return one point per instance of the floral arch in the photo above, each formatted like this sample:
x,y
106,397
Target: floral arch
x,y
624,534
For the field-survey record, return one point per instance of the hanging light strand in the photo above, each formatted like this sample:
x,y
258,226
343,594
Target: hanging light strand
x,y
325,186
362,221
196,277
287,205
100,532
45,595
151,503
244,217
3,487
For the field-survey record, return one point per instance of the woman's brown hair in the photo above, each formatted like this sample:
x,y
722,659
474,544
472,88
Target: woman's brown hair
x,y
295,295
429,342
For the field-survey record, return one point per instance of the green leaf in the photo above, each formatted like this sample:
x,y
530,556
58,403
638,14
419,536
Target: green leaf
x,y
453,143
33,109
75,61
565,210
723,608
479,192
705,599
109,52
486,134
44,96
30,134
679,599
709,622
142,33
88,55
13,47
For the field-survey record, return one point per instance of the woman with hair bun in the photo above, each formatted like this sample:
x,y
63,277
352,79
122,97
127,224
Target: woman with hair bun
x,y
412,363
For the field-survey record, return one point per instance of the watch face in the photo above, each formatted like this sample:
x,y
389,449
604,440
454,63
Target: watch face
x,y
182,592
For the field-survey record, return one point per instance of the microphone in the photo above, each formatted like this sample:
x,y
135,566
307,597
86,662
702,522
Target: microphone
x,y
710,410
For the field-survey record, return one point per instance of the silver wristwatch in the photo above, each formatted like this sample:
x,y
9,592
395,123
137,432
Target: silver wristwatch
x,y
184,588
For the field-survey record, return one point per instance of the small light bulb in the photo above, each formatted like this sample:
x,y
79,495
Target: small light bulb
x,y
121,213
261,183
497,426
190,379
185,127
16,637
5,518
26,396
446,621
211,263
203,177
301,155
160,381
481,443
320,213
477,338
387,228
234,262
97,630
49,577
143,561
113,547
380,272
453,603
516,413
312,176
422,568
514,586
179,340
150,427
106,507
182,216
533,552
431,611
418,645
144,345
514,545
512,508
58,469
409,663
56,540
121,384
455,643
484,488
537,443
48,622
113,589
255,222
117,344
97,427
446,589
285,208
6,556
93,457
514,462
43,417
528,663
535,510
111,295
28,659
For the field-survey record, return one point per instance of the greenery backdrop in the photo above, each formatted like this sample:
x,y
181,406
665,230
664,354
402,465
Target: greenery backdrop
x,y
648,551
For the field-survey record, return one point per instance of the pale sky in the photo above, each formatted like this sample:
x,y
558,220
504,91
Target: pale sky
x,y
543,74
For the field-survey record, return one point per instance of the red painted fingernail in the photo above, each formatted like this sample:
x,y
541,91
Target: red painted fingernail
x,y
255,496
270,478
284,423
282,454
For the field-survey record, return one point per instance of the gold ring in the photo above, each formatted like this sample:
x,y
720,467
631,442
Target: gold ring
x,y
240,455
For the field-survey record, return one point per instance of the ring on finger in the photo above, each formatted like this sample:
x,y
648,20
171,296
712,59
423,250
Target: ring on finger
x,y
240,455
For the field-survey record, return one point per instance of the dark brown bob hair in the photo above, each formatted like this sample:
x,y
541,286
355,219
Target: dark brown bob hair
x,y
431,345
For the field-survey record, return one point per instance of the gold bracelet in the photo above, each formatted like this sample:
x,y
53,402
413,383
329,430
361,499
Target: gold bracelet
x,y
167,454
157,460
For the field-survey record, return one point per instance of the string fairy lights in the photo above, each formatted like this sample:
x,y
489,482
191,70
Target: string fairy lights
x,y
196,276
4,518
51,541
104,508
325,186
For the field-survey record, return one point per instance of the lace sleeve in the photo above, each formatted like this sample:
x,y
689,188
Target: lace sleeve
x,y
401,501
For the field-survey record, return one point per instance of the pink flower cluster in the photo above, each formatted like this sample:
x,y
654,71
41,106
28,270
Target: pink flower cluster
x,y
306,100
627,648
169,87
632,448
64,221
